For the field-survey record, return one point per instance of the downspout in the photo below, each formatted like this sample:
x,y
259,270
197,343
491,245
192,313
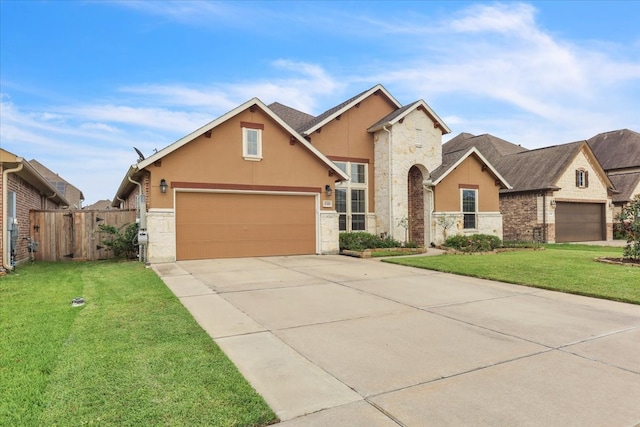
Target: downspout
x,y
120,200
6,263
143,204
50,197
391,226
142,226
428,185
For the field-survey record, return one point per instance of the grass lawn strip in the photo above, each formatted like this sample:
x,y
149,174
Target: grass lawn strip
x,y
131,356
564,267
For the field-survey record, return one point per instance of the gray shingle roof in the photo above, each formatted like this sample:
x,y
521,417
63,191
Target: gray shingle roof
x,y
333,110
294,118
537,169
618,149
625,185
491,147
389,117
448,160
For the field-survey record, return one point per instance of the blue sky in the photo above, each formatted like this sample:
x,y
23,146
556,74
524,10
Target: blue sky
x,y
82,82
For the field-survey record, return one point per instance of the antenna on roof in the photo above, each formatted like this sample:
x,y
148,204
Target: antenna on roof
x,y
140,155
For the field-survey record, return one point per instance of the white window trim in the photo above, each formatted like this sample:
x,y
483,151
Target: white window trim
x,y
475,190
348,186
245,141
582,178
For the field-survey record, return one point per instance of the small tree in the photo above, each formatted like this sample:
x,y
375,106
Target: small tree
x,y
446,221
629,220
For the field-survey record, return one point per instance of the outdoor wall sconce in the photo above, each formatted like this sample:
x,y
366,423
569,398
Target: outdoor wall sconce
x,y
163,186
327,189
36,228
553,203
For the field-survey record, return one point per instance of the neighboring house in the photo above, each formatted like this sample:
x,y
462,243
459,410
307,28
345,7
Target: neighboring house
x,y
559,193
22,189
271,180
100,205
619,154
73,195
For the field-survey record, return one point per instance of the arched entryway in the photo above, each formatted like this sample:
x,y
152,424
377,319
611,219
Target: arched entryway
x,y
416,206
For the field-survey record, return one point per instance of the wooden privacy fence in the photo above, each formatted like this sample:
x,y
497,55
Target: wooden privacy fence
x,y
65,235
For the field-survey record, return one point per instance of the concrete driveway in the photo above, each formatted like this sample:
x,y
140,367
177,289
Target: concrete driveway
x,y
338,341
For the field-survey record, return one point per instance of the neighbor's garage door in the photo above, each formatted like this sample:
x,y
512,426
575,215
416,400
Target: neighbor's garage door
x,y
579,222
225,225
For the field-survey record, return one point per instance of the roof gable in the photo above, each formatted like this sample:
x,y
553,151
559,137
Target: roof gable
x,y
399,114
255,102
59,183
334,112
541,169
451,160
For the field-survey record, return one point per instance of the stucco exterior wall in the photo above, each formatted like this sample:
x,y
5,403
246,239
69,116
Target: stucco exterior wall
x,y
470,172
347,137
219,159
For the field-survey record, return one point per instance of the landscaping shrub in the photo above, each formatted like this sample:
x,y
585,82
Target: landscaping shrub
x,y
360,240
122,241
473,243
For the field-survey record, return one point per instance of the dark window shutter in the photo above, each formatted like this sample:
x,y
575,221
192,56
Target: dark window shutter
x,y
586,179
577,178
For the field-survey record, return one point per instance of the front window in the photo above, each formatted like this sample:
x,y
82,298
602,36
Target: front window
x,y
351,197
252,141
582,178
470,208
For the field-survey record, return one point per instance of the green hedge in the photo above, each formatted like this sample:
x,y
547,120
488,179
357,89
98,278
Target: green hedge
x,y
360,240
473,243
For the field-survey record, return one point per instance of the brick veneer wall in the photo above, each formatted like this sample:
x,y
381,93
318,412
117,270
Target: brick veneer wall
x,y
416,206
520,216
28,199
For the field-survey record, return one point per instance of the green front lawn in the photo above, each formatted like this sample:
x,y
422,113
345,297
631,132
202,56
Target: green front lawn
x,y
132,355
562,267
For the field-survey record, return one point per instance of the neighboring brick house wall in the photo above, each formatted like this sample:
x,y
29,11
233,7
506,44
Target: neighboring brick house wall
x,y
520,216
28,198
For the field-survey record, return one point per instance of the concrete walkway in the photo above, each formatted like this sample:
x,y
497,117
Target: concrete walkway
x,y
338,341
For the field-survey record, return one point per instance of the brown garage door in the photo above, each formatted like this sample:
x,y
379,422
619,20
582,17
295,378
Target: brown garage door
x,y
579,222
225,225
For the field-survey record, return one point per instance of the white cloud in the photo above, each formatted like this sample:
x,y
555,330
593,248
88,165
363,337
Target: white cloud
x,y
186,11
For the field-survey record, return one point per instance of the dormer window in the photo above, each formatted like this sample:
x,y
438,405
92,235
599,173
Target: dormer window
x,y
252,141
582,178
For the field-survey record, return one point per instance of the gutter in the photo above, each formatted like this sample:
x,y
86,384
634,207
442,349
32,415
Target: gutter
x,y
6,262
